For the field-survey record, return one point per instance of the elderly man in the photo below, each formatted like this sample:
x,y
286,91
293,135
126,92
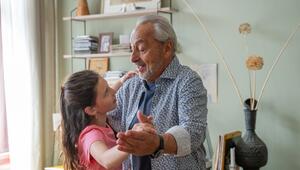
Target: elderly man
x,y
171,93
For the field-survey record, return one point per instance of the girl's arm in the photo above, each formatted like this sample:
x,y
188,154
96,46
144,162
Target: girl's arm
x,y
112,158
108,158
119,83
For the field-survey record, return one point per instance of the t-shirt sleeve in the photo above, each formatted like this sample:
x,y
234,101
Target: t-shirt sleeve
x,y
86,141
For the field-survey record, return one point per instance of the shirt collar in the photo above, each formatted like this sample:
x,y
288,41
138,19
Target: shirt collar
x,y
172,69
149,86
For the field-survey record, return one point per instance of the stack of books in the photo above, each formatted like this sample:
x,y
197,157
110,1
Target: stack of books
x,y
85,44
113,76
118,48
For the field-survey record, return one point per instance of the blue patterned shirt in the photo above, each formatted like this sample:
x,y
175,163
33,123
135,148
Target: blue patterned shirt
x,y
179,107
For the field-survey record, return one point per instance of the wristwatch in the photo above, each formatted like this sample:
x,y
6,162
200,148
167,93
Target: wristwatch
x,y
160,150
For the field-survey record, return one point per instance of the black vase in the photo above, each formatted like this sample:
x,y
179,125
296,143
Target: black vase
x,y
251,152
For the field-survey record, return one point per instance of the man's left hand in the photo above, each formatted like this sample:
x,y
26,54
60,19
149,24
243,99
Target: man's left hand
x,y
137,142
141,140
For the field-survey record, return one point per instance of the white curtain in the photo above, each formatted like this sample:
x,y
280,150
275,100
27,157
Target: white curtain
x,y
3,126
29,57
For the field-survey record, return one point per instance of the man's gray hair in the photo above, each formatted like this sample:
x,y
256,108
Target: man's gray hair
x,y
163,30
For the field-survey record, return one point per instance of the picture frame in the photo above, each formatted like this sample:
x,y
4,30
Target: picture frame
x,y
99,65
115,6
105,41
225,143
102,7
209,76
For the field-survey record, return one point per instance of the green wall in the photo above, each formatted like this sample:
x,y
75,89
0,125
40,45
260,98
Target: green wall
x,y
278,118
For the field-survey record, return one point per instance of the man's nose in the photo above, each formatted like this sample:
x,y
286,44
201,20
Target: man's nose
x,y
134,56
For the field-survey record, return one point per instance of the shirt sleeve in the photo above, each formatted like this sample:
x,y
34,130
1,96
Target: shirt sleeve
x,y
87,140
183,140
192,111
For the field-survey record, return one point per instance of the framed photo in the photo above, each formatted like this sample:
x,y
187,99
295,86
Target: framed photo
x,y
114,6
226,142
105,41
99,65
209,76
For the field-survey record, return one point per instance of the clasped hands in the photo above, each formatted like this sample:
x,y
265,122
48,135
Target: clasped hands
x,y
141,140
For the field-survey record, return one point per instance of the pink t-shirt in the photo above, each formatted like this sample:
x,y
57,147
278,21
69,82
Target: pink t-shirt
x,y
87,137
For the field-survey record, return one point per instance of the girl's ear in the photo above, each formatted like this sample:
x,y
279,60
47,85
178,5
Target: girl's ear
x,y
89,110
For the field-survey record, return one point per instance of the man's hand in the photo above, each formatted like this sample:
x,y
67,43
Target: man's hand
x,y
137,142
145,124
141,140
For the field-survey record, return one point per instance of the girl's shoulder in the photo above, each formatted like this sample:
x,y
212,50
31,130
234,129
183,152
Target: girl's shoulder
x,y
90,128
94,133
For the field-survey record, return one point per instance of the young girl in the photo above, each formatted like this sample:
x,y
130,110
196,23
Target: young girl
x,y
88,141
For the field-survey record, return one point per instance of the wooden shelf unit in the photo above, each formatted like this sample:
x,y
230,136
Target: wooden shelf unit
x,y
114,54
164,10
121,14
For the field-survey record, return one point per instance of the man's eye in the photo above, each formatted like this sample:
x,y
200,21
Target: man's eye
x,y
141,49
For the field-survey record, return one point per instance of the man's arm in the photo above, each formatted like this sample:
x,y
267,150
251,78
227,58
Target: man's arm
x,y
133,141
180,139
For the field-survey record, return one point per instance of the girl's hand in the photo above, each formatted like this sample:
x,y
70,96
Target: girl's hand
x,y
127,76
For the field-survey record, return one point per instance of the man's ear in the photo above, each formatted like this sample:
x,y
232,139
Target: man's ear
x,y
168,47
89,110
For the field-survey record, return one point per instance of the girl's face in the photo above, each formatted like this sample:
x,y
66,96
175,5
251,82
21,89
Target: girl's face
x,y
105,99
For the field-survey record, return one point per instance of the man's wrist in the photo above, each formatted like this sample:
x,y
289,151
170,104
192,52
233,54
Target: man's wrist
x,y
170,144
160,149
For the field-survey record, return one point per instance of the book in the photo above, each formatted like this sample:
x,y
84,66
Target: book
x,y
217,154
85,52
85,44
222,156
85,48
86,37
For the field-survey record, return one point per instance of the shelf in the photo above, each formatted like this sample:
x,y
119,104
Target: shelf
x,y
121,14
116,54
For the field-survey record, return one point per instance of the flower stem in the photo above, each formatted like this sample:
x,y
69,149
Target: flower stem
x,y
275,62
254,89
246,44
250,84
211,41
249,71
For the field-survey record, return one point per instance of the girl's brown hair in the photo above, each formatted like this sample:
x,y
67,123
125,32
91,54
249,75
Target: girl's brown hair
x,y
78,92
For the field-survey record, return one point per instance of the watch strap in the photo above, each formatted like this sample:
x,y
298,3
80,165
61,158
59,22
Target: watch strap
x,y
158,152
